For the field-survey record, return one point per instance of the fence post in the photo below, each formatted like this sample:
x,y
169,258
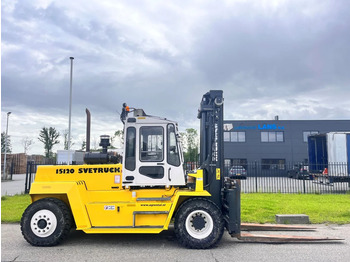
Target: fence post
x,y
30,175
304,183
256,176
12,168
26,182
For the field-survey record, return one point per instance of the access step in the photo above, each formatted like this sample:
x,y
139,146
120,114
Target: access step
x,y
148,213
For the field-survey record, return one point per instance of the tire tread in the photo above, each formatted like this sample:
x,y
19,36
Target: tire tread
x,y
51,240
180,231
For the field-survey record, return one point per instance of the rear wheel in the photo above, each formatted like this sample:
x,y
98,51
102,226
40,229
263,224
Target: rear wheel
x,y
199,224
46,222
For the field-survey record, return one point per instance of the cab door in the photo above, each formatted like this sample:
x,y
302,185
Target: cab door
x,y
176,175
152,156
151,165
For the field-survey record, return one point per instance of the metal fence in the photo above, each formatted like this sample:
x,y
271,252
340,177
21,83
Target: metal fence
x,y
297,178
333,178
10,167
31,171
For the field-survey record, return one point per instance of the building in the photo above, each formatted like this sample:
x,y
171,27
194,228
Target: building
x,y
273,143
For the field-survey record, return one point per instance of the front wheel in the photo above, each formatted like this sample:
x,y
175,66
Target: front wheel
x,y
199,224
46,222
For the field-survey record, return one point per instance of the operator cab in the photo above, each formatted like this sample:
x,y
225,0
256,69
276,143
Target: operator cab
x,y
152,151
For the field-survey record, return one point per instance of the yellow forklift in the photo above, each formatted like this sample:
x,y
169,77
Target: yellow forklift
x,y
145,193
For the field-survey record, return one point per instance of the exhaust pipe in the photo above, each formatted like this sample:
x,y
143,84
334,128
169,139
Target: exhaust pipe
x,y
98,158
88,127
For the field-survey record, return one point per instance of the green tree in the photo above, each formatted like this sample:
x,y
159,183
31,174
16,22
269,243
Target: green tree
x,y
65,136
3,142
191,145
120,135
83,145
49,137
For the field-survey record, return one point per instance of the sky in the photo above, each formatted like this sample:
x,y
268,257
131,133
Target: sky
x,y
270,57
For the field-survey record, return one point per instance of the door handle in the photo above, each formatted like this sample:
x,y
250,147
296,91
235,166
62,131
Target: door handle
x,y
169,174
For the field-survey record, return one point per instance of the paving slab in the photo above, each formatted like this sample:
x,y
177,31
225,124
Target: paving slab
x,y
292,219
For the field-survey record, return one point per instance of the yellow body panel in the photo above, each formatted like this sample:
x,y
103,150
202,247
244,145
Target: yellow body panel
x,y
100,204
96,177
199,179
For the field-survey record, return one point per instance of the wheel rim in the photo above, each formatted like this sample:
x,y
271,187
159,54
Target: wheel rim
x,y
43,223
199,224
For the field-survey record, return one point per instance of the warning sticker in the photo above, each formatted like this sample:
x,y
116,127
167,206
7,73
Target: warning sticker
x,y
218,174
109,207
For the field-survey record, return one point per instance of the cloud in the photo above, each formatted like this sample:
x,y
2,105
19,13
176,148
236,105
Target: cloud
x,y
289,58
286,49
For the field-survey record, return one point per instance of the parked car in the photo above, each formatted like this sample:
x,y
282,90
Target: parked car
x,y
237,170
299,172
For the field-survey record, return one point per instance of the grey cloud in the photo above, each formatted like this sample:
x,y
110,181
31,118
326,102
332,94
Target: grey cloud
x,y
289,60
292,52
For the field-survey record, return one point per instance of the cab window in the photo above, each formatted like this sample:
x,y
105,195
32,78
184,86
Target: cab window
x,y
172,152
151,144
130,148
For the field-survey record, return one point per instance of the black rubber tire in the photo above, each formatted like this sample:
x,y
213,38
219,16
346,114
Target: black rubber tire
x,y
184,237
54,208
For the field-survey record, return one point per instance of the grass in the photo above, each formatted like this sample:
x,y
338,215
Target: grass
x,y
12,207
262,208
256,208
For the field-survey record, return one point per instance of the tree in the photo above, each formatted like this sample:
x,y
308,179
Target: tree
x,y
190,145
3,142
65,136
94,143
49,137
83,145
27,143
120,135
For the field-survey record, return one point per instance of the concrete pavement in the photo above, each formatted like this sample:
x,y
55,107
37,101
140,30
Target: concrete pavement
x,y
164,247
14,186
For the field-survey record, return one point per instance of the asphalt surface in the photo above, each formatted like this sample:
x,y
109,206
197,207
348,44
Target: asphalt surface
x,y
14,186
164,247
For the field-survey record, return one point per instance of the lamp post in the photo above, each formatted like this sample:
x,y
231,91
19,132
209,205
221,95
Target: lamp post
x,y
70,101
7,128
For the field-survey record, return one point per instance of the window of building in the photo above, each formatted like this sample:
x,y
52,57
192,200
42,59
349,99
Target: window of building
x,y
227,137
308,133
227,162
234,136
272,136
273,164
236,162
240,162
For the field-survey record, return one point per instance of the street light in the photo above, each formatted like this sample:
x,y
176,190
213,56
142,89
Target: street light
x,y
7,128
70,101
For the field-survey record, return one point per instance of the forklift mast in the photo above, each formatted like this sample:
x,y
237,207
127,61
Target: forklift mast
x,y
225,191
211,158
